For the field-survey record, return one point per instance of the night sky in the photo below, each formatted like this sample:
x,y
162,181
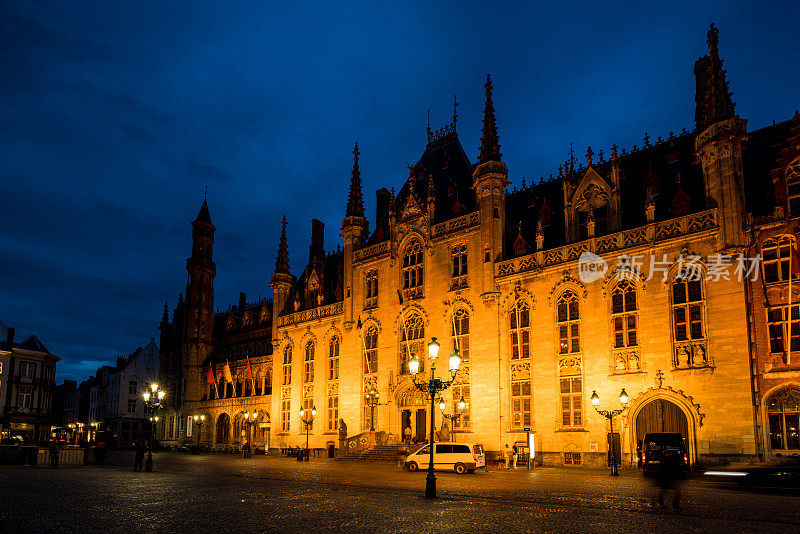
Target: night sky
x,y
114,117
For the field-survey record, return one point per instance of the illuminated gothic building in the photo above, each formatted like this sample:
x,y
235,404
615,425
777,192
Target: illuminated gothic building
x,y
493,272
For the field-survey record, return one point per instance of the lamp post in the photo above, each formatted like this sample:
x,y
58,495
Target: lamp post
x,y
609,414
250,420
432,387
308,419
152,399
372,401
199,420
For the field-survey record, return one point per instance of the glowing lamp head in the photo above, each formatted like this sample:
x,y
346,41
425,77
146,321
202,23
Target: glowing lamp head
x,y
462,404
202,417
442,404
413,365
156,418
302,412
255,415
153,387
313,410
161,395
246,416
595,399
196,417
455,361
433,349
146,396
623,396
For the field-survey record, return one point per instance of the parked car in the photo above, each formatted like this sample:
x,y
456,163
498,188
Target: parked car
x,y
458,457
664,448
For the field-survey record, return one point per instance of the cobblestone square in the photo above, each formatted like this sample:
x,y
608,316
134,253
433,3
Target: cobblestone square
x,y
226,493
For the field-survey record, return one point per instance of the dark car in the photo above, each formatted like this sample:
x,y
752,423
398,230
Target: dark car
x,y
662,449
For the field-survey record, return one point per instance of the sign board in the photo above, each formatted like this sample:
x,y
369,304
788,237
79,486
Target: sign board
x,y
526,429
594,446
531,447
189,422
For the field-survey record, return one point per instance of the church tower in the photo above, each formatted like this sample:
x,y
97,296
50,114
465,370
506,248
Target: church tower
x,y
354,233
490,178
199,307
718,145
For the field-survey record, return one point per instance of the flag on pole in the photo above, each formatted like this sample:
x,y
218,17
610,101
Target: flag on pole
x,y
226,372
210,374
249,369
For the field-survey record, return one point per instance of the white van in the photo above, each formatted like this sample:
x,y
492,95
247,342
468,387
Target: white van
x,y
458,457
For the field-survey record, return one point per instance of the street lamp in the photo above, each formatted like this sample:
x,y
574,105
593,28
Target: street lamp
x,y
455,416
609,414
432,387
250,420
152,399
308,419
199,420
372,401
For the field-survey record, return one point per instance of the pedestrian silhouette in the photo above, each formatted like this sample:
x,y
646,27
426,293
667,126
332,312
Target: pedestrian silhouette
x,y
140,448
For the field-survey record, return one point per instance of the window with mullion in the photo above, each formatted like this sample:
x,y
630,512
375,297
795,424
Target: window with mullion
x,y
333,358
412,342
568,323
519,318
371,349
287,366
778,324
460,333
687,309
624,315
412,266
571,402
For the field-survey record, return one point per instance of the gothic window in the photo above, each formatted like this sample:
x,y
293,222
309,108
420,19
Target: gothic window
x,y
783,413
333,413
793,187
688,304
521,399
286,411
287,365
371,289
568,322
308,368
571,391
778,324
412,269
776,255
371,350
459,260
412,342
460,333
624,315
461,390
333,358
519,319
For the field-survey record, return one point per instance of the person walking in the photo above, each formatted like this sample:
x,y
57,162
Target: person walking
x,y
515,455
140,448
669,479
407,434
507,456
54,452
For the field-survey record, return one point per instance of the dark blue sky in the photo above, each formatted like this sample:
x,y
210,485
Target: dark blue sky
x,y
114,117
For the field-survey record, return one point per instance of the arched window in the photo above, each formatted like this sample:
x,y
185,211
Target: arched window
x,y
460,333
287,365
519,320
793,187
624,315
783,412
371,350
777,259
333,358
568,319
412,270
308,368
412,341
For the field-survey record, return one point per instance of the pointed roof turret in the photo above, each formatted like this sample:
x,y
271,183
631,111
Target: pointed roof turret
x,y
203,216
165,317
490,143
355,201
714,102
282,262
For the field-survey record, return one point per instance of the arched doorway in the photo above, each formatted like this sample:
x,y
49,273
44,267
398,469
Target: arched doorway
x,y
223,428
661,415
412,405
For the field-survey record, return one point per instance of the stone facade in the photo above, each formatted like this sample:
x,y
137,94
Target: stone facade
x,y
496,274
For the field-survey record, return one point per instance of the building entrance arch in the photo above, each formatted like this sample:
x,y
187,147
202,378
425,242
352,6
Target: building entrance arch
x,y
413,407
223,428
662,411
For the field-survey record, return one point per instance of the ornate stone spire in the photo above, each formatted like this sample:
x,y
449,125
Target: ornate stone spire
x,y
713,99
282,262
165,317
355,202
490,143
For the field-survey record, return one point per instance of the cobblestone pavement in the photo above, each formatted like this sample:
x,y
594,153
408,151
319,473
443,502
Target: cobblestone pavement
x,y
222,493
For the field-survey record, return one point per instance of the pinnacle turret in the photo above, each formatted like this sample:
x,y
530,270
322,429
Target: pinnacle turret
x,y
713,99
490,143
282,262
355,201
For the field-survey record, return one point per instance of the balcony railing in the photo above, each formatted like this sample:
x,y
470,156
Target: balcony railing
x,y
643,235
309,315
